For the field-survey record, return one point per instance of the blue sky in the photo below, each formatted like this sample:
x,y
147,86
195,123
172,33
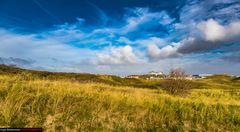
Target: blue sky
x,y
121,37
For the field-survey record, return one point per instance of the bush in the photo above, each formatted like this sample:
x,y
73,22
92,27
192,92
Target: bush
x,y
176,82
177,86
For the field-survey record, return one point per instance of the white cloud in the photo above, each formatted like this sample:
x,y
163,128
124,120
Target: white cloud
x,y
118,55
168,51
212,35
213,31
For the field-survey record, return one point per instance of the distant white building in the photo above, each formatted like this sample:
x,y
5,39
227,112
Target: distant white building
x,y
133,76
205,75
155,73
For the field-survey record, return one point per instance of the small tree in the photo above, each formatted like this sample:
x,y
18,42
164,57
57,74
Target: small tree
x,y
177,73
176,83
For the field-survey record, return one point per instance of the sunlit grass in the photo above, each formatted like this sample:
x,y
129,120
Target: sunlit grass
x,y
64,105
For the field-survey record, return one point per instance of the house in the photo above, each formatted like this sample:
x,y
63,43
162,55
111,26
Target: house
x,y
205,75
196,76
133,76
199,76
155,73
150,75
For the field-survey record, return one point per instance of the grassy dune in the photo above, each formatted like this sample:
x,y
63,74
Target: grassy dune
x,y
71,105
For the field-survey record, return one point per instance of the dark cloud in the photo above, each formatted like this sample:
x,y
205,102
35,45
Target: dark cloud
x,y
193,45
209,35
212,35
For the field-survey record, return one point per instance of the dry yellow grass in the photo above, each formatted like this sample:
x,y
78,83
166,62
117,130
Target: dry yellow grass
x,y
63,105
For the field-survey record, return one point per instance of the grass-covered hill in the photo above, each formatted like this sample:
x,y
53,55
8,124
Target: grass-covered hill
x,y
85,102
79,77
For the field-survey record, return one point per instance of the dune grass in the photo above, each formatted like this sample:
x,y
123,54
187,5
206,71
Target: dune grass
x,y
66,105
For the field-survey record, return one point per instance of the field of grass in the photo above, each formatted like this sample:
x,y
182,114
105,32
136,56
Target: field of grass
x,y
69,102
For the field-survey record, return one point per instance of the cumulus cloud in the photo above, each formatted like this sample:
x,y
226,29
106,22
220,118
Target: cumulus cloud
x,y
168,51
118,55
213,31
197,36
210,35
195,11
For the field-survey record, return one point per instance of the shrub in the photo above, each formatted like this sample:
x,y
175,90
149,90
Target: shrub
x,y
177,73
177,86
176,83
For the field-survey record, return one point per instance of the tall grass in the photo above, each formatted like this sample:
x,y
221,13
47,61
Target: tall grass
x,y
64,105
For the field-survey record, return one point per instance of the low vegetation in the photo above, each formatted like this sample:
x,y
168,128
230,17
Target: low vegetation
x,y
176,83
85,102
179,87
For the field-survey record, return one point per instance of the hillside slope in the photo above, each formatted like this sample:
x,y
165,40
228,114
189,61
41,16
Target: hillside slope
x,y
80,77
67,102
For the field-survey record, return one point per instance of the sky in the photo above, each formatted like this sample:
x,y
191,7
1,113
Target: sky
x,y
121,37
